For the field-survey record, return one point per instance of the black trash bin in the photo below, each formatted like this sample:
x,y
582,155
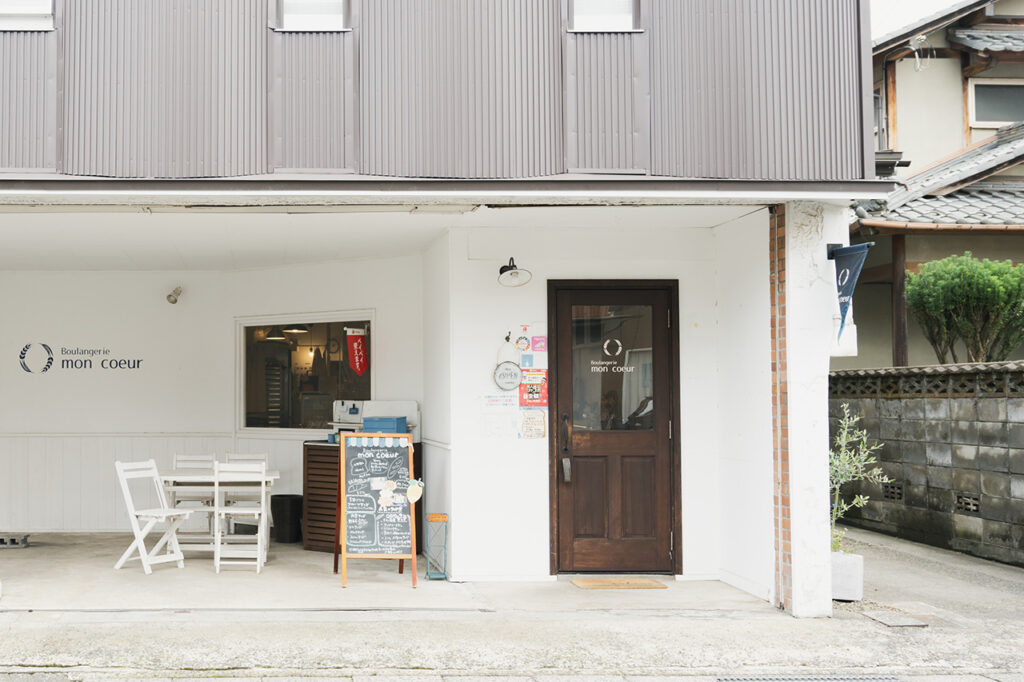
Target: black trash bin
x,y
286,510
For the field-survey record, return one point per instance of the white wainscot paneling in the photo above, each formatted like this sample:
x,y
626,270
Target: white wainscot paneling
x,y
68,482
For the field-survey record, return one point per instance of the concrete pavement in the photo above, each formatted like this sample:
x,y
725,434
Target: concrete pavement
x,y
970,612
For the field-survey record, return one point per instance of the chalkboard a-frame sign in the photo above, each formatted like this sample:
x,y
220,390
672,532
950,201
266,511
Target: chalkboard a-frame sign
x,y
374,518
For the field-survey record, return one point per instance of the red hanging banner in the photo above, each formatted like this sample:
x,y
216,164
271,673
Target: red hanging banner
x,y
358,359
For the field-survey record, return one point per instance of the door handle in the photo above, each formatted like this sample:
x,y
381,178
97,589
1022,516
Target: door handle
x,y
566,462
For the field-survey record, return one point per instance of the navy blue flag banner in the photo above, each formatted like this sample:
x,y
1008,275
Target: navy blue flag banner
x,y
849,261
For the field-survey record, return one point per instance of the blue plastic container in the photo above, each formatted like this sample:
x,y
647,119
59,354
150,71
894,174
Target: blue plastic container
x,y
384,425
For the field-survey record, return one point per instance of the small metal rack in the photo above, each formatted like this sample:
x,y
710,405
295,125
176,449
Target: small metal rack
x,y
436,548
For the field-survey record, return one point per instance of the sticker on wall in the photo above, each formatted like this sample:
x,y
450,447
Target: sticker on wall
x,y
533,423
526,360
533,392
523,344
539,343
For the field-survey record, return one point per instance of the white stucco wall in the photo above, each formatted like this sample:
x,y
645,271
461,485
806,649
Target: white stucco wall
x,y
810,290
1009,7
60,432
743,358
730,260
929,111
437,373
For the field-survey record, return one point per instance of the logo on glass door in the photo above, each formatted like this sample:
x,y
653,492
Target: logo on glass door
x,y
30,360
613,348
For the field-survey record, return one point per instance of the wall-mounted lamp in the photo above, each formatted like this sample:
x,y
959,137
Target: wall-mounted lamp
x,y
172,297
512,276
296,329
275,334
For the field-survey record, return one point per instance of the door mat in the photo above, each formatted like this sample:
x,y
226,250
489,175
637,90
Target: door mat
x,y
619,584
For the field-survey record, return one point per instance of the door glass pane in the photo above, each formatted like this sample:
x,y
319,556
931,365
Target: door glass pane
x,y
612,367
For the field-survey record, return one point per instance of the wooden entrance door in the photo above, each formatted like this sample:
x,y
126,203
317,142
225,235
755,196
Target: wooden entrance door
x,y
614,380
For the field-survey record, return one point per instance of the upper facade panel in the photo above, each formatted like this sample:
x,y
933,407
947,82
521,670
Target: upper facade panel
x,y
462,89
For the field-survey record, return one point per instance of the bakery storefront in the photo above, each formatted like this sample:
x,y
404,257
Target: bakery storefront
x,y
588,419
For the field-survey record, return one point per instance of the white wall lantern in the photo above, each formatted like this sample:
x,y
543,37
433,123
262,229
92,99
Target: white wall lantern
x,y
512,275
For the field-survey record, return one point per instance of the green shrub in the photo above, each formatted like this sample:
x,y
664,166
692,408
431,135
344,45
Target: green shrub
x,y
979,303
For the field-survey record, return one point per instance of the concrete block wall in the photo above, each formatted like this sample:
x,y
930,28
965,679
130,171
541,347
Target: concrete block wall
x,y
953,445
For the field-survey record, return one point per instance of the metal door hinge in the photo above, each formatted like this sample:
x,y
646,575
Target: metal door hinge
x,y
671,544
669,313
670,429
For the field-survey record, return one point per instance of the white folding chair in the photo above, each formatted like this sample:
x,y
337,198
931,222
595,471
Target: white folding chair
x,y
247,457
232,474
195,498
246,497
163,513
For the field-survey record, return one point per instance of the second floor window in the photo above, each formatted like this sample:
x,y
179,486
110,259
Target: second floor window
x,y
312,15
605,15
996,102
26,15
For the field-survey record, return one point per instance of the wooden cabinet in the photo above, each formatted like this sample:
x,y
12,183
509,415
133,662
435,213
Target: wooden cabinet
x,y
320,494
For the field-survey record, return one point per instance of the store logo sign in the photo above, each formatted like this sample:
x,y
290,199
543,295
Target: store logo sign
x,y
36,362
38,358
613,348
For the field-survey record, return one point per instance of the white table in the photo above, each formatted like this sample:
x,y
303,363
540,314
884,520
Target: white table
x,y
201,481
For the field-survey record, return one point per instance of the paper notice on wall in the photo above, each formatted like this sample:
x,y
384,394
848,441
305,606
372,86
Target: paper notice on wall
x,y
497,414
533,392
498,401
533,423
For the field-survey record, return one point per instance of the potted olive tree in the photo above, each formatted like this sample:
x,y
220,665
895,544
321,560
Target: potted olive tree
x,y
851,459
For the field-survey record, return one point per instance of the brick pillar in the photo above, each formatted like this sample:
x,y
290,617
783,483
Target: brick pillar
x,y
780,411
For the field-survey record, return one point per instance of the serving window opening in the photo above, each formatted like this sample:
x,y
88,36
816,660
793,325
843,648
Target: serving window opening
x,y
295,372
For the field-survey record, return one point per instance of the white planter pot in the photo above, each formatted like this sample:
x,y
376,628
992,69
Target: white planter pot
x,y
847,576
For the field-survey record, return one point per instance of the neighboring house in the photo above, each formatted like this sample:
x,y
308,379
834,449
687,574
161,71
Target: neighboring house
x,y
949,96
670,172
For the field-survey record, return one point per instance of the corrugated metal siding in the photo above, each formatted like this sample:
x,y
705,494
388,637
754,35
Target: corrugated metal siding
x,y
460,88
734,89
165,89
28,100
607,101
756,89
314,101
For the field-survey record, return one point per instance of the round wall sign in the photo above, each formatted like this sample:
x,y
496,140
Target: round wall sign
x,y
508,375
